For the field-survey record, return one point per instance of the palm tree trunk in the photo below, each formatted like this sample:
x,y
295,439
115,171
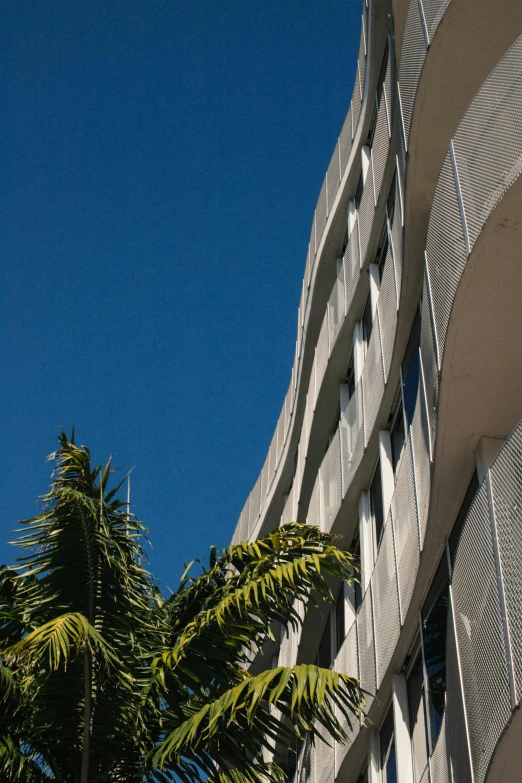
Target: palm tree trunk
x,y
87,712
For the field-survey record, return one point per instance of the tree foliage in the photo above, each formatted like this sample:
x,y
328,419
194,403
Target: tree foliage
x,y
104,679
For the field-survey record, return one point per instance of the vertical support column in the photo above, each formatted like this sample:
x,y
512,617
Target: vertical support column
x,y
402,729
359,355
366,537
365,163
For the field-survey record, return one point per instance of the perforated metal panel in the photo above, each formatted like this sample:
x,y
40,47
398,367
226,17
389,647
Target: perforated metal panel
x,y
445,250
366,213
280,437
345,141
366,645
389,86
440,762
321,355
387,308
352,437
356,103
488,142
306,767
372,381
330,477
320,213
351,267
264,481
324,760
396,232
336,308
380,147
429,365
406,529
255,498
314,509
385,602
456,724
480,635
243,521
506,480
362,60
333,176
421,462
413,53
433,12
288,510
346,662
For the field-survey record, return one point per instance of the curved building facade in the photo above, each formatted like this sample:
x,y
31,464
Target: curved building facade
x,y
401,426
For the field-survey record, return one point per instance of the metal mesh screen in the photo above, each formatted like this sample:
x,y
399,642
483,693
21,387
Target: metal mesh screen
x,y
385,602
440,762
272,459
413,53
433,12
330,477
314,509
361,71
366,212
388,86
488,142
387,308
324,760
356,103
396,232
336,308
320,213
280,435
429,365
352,437
306,767
264,481
243,521
321,355
445,250
333,175
380,147
366,645
346,662
405,529
506,480
455,710
372,381
480,635
255,501
351,267
421,461
345,141
288,514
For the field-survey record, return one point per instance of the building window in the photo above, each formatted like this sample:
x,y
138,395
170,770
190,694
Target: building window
x,y
397,430
434,622
363,777
410,369
367,320
418,727
387,746
355,549
350,378
461,516
376,507
382,250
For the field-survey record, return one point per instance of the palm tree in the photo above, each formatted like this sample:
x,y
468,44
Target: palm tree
x,y
103,679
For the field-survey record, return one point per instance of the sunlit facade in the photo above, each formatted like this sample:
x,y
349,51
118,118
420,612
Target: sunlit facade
x,y
400,428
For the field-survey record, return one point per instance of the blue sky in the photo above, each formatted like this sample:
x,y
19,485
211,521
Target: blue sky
x,y
160,164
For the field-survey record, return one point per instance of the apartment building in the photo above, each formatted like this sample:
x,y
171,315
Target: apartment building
x,y
401,426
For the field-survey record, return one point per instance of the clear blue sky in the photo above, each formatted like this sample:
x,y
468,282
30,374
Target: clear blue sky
x,y
159,166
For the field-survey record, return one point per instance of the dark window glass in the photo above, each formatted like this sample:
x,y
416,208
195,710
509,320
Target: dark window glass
x,y
397,431
339,619
359,192
345,244
387,742
390,203
434,622
461,516
376,504
371,129
382,250
410,370
418,729
324,656
367,320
